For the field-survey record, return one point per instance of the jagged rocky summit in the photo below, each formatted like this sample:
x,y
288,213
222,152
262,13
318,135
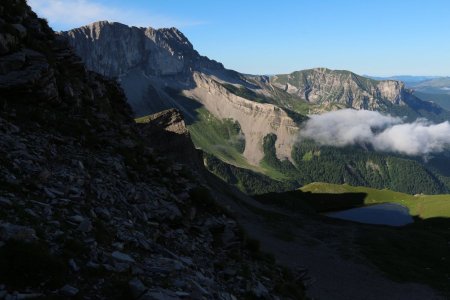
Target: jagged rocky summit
x,y
91,206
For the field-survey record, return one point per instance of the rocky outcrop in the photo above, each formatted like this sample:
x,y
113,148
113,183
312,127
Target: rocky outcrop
x,y
169,120
91,207
167,131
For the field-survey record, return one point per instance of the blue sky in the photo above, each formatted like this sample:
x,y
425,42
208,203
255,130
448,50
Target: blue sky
x,y
384,37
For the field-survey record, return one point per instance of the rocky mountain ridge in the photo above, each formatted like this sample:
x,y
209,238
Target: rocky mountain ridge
x,y
91,206
159,69
158,52
325,86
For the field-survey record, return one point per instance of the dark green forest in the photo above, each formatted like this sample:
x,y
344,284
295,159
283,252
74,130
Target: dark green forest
x,y
246,180
354,165
358,166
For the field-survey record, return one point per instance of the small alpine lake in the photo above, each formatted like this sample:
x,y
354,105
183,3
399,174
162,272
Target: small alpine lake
x,y
379,214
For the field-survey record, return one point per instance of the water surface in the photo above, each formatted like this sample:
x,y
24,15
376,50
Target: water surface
x,y
381,214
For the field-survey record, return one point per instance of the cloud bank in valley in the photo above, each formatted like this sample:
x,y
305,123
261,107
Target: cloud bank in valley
x,y
383,132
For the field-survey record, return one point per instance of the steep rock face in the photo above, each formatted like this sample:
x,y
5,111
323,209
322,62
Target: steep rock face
x,y
90,206
169,120
256,119
324,86
155,67
168,132
113,49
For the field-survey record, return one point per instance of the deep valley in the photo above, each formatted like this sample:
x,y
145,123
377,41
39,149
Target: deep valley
x,y
133,167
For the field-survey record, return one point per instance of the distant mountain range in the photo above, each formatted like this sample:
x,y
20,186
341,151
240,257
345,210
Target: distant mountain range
x,y
409,80
435,86
248,121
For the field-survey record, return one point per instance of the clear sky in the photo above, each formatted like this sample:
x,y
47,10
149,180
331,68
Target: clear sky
x,y
376,37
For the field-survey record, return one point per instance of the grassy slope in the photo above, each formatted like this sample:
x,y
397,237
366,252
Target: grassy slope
x,y
206,133
424,206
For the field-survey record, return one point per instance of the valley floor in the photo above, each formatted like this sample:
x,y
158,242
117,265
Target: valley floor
x,y
325,248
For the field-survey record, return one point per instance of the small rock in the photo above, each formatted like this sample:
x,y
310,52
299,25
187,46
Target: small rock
x,y
85,226
228,235
68,291
28,296
16,232
137,287
5,202
118,246
198,288
20,29
121,267
120,256
160,294
227,296
182,294
103,213
49,193
186,260
109,268
179,283
136,270
93,265
76,218
73,265
80,165
260,290
31,213
44,175
230,271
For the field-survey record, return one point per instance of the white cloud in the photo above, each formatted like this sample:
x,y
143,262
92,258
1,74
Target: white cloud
x,y
67,14
418,138
383,132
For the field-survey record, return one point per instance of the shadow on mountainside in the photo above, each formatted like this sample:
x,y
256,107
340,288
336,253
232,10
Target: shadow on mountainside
x,y
313,202
418,252
340,256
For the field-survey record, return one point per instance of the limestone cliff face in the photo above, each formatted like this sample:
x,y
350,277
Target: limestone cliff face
x,y
324,86
256,119
113,49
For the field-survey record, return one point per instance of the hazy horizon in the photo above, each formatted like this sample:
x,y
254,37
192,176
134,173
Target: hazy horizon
x,y
378,38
